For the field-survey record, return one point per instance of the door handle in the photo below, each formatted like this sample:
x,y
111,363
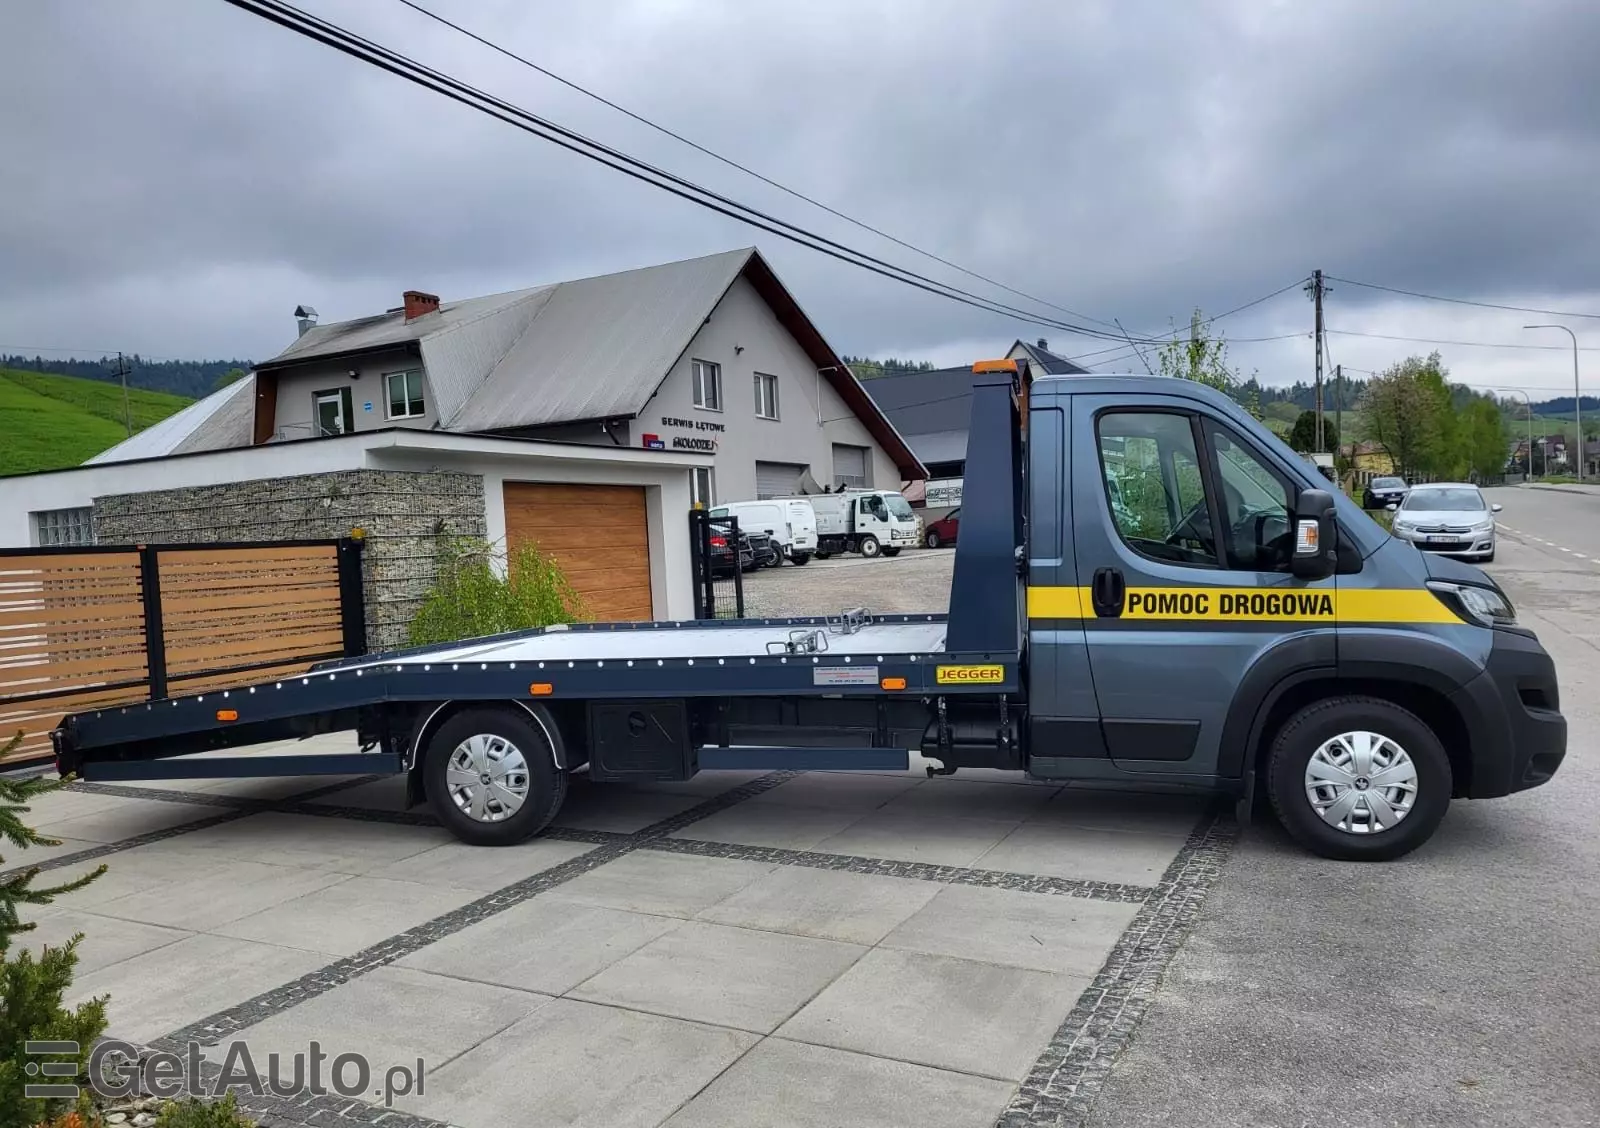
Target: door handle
x,y
1107,591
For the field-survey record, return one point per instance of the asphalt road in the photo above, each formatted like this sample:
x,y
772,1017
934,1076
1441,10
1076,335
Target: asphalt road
x,y
1564,521
1458,986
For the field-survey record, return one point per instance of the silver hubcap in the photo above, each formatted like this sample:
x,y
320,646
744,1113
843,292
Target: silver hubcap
x,y
1361,782
487,777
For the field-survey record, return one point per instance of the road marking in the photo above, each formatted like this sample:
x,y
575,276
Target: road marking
x,y
1563,548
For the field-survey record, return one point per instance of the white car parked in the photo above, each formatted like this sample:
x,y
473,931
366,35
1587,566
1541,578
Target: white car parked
x,y
791,523
1452,518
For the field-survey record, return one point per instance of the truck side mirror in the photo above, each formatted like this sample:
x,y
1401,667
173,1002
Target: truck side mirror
x,y
1315,537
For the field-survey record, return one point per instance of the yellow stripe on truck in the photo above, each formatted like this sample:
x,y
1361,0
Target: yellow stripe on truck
x,y
1250,605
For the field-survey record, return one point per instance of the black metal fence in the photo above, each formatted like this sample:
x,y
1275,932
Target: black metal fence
x,y
721,554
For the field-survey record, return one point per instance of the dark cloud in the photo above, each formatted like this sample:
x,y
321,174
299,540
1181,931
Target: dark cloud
x,y
180,174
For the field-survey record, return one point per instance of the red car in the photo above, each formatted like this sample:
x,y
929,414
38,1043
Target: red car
x,y
943,531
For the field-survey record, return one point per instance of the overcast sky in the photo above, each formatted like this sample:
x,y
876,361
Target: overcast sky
x,y
179,174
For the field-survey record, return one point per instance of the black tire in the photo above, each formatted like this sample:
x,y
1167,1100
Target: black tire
x,y
800,559
891,552
1368,501
868,546
931,540
823,555
535,737
1307,730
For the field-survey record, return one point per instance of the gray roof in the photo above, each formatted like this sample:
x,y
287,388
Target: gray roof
x,y
589,349
940,446
922,403
222,420
597,347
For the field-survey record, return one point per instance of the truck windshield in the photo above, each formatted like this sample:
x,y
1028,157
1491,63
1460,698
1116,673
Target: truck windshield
x,y
899,507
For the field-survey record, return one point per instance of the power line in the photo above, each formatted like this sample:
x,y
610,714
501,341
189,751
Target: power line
x,y
731,163
1152,338
1462,301
1464,344
349,43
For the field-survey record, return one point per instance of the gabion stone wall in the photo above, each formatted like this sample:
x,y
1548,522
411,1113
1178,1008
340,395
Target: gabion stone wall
x,y
402,513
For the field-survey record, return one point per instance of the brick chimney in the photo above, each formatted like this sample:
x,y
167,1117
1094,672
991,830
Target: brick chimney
x,y
417,303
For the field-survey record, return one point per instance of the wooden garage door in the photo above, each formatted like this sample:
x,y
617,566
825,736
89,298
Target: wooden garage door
x,y
599,537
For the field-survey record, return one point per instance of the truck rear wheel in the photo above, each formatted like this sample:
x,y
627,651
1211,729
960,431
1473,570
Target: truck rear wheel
x,y
1358,779
800,559
491,775
868,546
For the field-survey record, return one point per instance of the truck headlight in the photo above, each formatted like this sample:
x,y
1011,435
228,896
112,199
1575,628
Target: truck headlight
x,y
1481,606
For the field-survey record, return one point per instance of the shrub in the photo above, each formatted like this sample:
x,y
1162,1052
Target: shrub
x,y
32,988
472,598
193,1113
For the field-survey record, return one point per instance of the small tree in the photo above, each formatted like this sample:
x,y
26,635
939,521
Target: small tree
x,y
472,597
32,989
1303,436
1199,357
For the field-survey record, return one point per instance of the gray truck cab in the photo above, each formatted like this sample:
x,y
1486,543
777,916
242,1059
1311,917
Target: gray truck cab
x,y
1178,637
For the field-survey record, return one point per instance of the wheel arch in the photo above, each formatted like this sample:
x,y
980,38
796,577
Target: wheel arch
x,y
431,715
1416,672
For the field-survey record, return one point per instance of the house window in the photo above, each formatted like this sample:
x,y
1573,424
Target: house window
x,y
766,396
405,394
707,385
332,413
57,527
702,488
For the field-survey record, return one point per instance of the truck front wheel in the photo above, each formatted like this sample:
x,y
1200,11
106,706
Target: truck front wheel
x,y
869,546
1358,779
491,775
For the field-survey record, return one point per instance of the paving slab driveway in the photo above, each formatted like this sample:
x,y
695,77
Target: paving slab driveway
x,y
744,949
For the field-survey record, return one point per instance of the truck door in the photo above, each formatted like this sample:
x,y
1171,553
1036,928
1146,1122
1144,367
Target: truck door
x,y
1064,717
1184,538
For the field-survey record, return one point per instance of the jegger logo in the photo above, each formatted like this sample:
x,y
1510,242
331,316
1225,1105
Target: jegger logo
x,y
970,675
1226,603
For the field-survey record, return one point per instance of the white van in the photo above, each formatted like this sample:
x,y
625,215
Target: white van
x,y
790,522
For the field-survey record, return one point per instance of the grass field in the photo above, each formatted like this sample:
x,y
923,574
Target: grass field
x,y
53,422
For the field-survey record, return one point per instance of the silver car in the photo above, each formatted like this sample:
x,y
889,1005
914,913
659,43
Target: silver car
x,y
1452,518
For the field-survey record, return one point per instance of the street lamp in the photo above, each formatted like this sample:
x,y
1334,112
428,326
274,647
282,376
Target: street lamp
x,y
1577,396
1529,398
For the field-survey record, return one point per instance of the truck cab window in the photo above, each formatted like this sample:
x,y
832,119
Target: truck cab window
x,y
1255,506
1154,486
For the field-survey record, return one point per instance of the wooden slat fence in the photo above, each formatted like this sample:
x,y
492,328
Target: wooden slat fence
x,y
86,627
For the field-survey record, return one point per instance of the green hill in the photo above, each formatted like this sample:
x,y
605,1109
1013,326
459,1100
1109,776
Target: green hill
x,y
52,422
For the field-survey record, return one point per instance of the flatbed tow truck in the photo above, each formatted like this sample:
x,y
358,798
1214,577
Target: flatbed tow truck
x,y
1150,592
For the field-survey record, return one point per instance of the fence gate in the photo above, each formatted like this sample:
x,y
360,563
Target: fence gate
x,y
720,554
82,628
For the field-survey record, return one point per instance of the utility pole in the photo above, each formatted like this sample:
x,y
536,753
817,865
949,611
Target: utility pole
x,y
1316,297
1338,415
127,407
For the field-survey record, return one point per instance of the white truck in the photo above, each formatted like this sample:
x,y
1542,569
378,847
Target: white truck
x,y
790,522
865,521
